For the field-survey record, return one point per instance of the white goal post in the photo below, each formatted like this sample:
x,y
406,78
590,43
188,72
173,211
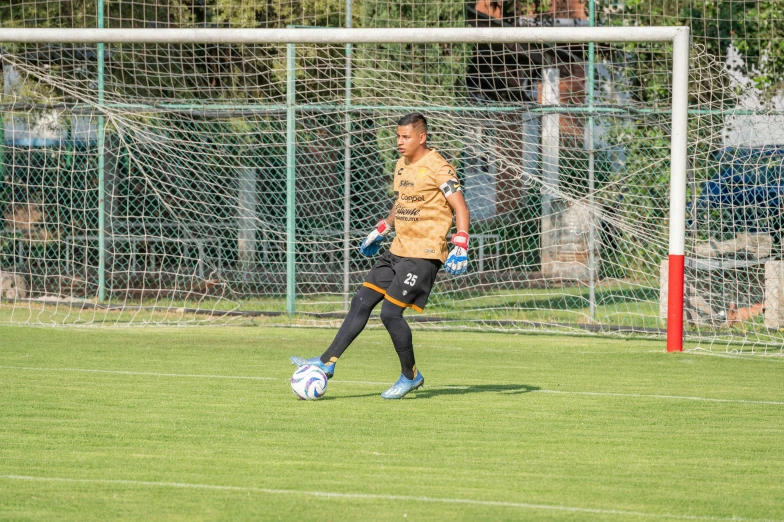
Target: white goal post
x,y
679,37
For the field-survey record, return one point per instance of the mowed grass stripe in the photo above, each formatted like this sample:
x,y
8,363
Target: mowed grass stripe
x,y
149,374
368,496
523,443
761,355
374,383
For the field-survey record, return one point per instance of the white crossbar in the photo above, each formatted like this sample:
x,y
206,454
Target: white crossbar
x,y
344,36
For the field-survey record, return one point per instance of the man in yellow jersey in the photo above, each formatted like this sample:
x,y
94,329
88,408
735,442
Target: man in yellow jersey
x,y
427,197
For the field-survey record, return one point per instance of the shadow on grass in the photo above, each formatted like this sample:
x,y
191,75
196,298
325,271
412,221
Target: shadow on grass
x,y
503,389
425,392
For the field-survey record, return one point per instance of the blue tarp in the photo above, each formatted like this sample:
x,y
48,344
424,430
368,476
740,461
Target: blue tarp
x,y
748,191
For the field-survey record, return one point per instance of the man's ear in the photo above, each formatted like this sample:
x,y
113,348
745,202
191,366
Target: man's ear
x,y
422,138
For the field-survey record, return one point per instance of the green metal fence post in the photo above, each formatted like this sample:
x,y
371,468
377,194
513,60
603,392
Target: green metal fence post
x,y
2,147
589,144
2,157
291,281
101,168
347,172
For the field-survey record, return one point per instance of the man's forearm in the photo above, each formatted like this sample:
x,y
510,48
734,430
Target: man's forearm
x,y
390,219
459,207
462,219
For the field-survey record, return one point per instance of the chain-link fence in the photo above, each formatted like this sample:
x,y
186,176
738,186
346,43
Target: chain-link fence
x,y
209,157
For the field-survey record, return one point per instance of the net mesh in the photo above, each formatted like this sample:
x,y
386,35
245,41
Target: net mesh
x,y
569,193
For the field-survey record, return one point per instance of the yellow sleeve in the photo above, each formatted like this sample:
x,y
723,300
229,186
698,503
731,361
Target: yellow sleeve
x,y
447,180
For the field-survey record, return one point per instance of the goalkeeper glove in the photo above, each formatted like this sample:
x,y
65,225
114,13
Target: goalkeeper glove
x,y
372,243
457,262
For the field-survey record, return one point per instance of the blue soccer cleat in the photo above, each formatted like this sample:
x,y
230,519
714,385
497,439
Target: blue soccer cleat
x,y
328,368
403,386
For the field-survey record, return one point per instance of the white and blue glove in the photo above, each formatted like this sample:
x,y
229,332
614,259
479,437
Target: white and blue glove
x,y
372,243
457,262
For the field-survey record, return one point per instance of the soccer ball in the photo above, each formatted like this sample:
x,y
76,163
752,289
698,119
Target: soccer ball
x,y
309,383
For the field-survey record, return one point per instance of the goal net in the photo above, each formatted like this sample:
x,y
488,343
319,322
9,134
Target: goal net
x,y
220,180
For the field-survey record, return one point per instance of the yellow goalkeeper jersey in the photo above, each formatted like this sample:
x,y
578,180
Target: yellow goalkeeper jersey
x,y
422,215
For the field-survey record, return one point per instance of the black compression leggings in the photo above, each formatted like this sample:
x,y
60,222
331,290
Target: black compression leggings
x,y
361,305
364,301
400,332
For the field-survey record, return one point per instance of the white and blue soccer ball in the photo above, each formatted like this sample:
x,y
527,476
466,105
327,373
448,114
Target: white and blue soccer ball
x,y
309,383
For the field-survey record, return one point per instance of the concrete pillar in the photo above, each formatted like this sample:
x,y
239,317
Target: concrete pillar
x,y
246,220
565,227
774,294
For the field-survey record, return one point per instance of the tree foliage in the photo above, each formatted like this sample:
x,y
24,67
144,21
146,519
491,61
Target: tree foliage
x,y
754,27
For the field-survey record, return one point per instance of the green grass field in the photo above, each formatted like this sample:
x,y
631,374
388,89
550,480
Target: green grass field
x,y
200,424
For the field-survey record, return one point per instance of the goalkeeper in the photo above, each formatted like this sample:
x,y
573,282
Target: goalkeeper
x,y
427,196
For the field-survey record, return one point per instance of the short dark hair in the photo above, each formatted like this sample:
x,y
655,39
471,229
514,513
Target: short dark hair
x,y
416,119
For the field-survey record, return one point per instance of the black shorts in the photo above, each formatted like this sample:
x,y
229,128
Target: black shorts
x,y
405,281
